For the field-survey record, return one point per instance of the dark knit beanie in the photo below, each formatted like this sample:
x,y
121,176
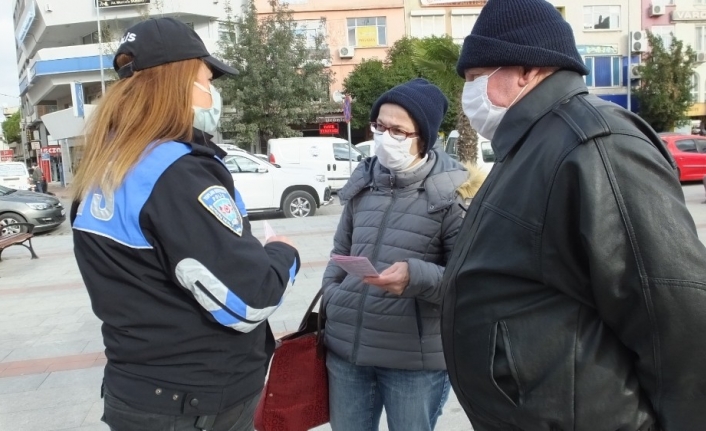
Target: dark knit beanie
x,y
423,101
529,33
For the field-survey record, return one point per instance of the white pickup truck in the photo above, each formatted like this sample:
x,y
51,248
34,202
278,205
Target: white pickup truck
x,y
297,192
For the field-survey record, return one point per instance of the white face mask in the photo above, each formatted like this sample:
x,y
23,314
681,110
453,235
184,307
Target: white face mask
x,y
206,119
393,154
482,114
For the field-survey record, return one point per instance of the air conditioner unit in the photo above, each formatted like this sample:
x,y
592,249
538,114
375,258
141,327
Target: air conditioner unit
x,y
638,41
656,10
701,57
635,72
346,52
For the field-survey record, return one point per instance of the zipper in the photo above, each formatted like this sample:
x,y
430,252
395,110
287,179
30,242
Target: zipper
x,y
366,289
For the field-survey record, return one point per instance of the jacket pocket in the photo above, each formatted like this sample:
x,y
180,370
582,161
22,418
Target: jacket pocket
x,y
503,370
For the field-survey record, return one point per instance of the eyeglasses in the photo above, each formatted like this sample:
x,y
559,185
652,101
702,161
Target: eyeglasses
x,y
395,132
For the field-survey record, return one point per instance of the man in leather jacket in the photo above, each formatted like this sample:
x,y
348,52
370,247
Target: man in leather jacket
x,y
575,298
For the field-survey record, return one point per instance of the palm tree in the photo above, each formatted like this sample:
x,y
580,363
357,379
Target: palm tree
x,y
436,58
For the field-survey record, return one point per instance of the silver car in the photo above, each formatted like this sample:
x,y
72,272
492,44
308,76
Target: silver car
x,y
18,206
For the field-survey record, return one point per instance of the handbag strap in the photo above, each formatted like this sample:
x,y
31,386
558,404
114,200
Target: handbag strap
x,y
311,309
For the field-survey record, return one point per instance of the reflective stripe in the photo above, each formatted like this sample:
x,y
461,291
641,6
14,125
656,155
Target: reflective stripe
x,y
224,305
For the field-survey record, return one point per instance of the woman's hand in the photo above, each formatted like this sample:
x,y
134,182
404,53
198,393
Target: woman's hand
x,y
394,279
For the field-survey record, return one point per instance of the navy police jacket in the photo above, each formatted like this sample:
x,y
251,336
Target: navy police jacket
x,y
182,286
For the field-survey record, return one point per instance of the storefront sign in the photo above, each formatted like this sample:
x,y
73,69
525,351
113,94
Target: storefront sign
x,y
689,15
113,3
366,36
328,129
54,149
25,23
6,155
597,49
330,119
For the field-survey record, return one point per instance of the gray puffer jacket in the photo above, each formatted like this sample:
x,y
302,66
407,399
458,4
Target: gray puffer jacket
x,y
412,217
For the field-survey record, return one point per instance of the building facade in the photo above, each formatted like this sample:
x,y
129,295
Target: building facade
x,y
58,45
354,31
601,29
685,20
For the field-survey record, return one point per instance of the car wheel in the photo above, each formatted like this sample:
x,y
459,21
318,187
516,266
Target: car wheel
x,y
299,204
8,219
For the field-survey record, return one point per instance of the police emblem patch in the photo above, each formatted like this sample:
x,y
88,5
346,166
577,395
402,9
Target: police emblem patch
x,y
220,203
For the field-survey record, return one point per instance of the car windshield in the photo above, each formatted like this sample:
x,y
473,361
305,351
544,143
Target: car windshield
x,y
4,191
12,170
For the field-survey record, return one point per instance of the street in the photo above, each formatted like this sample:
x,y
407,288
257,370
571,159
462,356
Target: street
x,y
51,350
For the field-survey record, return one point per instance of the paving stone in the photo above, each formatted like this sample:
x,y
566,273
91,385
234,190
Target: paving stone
x,y
11,385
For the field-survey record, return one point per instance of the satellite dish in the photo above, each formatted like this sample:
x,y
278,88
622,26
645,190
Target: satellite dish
x,y
338,97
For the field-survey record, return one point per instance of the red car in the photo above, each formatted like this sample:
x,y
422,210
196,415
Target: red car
x,y
689,151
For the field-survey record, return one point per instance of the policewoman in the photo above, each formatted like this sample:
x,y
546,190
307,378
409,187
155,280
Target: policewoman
x,y
165,248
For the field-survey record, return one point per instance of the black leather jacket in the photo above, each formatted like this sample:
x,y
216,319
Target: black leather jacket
x,y
576,294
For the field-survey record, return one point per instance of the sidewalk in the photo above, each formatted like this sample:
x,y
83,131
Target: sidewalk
x,y
50,341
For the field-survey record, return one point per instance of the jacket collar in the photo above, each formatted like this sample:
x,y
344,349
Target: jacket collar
x,y
440,178
201,144
519,119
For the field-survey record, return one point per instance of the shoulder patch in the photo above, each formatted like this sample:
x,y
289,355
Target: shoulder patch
x,y
220,203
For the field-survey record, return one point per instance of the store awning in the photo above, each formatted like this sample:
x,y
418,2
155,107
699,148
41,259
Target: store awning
x,y
64,125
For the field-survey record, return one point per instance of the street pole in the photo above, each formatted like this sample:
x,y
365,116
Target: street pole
x,y
100,45
350,162
627,71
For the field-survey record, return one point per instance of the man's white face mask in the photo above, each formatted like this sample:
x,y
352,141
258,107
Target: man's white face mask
x,y
482,114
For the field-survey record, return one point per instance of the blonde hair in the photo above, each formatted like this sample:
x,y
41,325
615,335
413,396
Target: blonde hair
x,y
154,105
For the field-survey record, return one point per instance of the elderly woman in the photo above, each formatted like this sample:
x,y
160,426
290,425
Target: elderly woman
x,y
403,210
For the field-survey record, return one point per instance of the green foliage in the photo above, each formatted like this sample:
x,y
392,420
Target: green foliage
x,y
11,128
371,78
283,81
665,89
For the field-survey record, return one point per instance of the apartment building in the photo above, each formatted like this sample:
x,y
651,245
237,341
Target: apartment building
x,y
601,29
357,30
58,52
685,20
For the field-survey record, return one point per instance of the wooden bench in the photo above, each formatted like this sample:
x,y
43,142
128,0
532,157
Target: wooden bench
x,y
18,238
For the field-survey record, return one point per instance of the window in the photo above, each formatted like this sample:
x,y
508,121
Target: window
x,y
310,29
700,38
240,164
340,152
487,151
461,25
694,88
366,32
90,38
601,17
686,145
226,33
428,25
700,145
603,71
665,32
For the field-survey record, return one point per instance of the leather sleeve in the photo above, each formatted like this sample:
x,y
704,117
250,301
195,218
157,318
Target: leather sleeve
x,y
645,266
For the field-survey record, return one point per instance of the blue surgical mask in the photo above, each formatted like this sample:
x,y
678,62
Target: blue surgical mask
x,y
206,119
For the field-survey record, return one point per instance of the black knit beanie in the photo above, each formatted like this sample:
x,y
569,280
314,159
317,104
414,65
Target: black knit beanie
x,y
530,33
423,101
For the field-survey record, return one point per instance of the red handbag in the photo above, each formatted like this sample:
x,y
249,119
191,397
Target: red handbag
x,y
295,397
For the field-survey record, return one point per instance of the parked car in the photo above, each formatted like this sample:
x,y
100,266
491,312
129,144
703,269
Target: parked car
x,y
20,206
689,151
15,175
297,192
486,156
366,148
326,155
